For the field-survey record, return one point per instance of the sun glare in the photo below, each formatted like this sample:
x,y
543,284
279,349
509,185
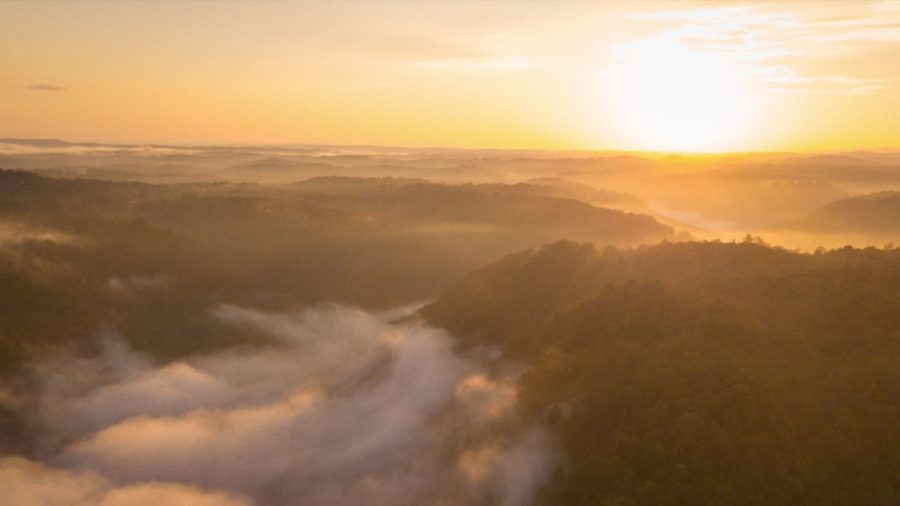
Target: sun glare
x,y
671,97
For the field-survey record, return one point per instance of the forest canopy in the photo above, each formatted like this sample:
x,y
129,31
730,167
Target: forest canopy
x,y
701,373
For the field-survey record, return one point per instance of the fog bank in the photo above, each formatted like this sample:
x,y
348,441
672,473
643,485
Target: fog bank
x,y
346,408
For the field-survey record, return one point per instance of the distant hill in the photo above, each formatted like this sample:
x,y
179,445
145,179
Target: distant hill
x,y
525,206
362,241
398,200
591,195
875,212
692,373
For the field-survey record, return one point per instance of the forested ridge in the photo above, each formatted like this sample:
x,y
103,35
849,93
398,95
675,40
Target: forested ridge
x,y
81,258
701,373
875,212
65,244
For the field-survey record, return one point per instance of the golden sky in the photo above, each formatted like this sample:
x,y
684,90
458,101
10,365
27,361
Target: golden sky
x,y
679,76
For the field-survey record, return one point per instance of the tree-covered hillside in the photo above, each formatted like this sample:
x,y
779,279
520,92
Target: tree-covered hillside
x,y
701,373
874,213
150,260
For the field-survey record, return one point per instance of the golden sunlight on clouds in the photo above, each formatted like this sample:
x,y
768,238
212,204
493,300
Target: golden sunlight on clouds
x,y
700,84
670,96
695,76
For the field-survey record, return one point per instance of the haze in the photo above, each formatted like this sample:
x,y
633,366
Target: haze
x,y
574,75
449,253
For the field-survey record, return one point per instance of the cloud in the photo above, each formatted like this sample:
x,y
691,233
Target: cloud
x,y
132,284
769,47
46,87
12,232
475,64
787,80
413,46
28,483
346,408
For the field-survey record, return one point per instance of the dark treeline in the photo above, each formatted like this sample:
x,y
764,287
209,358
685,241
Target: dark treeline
x,y
701,373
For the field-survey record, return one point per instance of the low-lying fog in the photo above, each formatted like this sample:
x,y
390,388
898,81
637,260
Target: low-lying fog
x,y
348,407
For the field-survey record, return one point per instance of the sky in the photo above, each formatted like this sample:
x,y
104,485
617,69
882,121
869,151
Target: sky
x,y
641,76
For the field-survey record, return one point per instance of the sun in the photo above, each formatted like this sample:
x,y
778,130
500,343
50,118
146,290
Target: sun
x,y
672,97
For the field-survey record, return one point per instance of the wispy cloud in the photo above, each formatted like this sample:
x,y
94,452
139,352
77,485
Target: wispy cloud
x,y
786,80
474,64
764,46
46,87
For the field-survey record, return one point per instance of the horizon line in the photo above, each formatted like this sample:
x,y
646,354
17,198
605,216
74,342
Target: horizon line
x,y
586,151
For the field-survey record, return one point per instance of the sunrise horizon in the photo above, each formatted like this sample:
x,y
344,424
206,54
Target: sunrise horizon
x,y
674,77
427,147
